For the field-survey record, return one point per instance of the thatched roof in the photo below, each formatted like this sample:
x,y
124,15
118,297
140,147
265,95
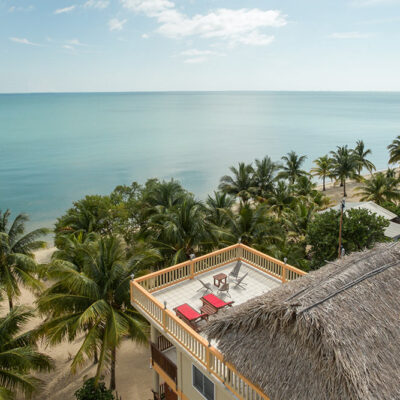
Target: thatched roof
x,y
333,334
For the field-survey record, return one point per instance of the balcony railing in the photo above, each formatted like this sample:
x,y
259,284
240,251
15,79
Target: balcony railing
x,y
196,345
157,356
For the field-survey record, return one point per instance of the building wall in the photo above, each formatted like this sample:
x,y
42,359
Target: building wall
x,y
185,379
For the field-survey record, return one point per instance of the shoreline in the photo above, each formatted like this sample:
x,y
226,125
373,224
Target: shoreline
x,y
335,192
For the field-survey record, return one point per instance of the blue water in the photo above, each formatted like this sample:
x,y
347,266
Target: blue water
x,y
55,148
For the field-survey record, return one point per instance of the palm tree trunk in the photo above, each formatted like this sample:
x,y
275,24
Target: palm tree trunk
x,y
96,357
10,302
101,360
112,372
344,188
323,184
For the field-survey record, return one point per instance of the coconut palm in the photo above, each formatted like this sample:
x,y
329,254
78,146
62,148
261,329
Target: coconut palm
x,y
241,184
280,198
379,189
264,176
322,169
90,214
344,165
164,195
251,225
17,264
394,150
297,218
94,302
291,168
361,154
179,232
217,208
19,356
304,187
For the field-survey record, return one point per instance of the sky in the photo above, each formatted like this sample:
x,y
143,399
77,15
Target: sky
x,y
168,45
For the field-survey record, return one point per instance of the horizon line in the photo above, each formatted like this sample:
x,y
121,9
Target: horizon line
x,y
200,91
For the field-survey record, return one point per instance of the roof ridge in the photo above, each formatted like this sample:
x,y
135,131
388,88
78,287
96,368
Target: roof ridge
x,y
351,284
335,273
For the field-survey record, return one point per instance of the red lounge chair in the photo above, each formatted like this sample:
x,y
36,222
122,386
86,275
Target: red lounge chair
x,y
190,315
212,303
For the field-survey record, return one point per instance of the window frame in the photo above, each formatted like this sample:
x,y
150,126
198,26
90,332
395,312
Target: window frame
x,y
204,376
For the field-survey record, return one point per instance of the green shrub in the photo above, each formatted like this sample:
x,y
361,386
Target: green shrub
x,y
90,392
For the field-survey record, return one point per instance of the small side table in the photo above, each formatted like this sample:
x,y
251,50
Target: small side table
x,y
218,279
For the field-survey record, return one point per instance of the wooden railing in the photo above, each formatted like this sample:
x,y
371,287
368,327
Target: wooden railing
x,y
190,340
157,356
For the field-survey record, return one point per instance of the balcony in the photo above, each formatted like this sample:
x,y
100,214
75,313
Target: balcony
x,y
156,294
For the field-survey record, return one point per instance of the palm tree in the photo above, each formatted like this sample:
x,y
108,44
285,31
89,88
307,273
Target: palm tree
x,y
250,225
280,198
291,168
361,154
94,302
19,356
241,184
90,214
217,208
264,176
304,187
322,169
394,150
379,189
345,165
181,231
164,195
17,264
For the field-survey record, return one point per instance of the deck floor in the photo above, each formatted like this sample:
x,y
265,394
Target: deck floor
x,y
190,291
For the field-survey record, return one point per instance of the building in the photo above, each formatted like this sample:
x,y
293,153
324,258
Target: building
x,y
334,334
185,364
392,231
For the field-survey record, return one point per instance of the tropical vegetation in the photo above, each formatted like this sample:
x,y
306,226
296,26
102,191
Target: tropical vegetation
x,y
103,241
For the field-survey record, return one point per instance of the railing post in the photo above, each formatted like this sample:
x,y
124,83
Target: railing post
x,y
192,257
164,316
239,249
284,270
208,357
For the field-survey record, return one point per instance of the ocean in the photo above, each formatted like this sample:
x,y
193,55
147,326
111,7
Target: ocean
x,y
56,148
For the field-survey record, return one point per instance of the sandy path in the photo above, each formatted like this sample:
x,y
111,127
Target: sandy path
x,y
133,374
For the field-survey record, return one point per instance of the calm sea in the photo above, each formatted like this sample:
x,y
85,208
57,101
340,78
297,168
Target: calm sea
x,y
55,148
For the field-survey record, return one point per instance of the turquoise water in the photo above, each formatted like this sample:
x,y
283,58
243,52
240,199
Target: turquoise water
x,y
55,148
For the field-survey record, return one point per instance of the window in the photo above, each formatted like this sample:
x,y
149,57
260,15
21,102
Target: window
x,y
203,384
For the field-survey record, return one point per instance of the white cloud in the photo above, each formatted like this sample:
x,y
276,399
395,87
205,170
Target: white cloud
x,y
145,36
115,24
235,26
75,42
65,10
21,9
151,8
100,4
23,41
195,60
68,47
350,35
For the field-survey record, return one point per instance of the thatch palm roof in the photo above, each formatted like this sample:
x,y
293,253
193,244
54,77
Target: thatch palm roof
x,y
333,334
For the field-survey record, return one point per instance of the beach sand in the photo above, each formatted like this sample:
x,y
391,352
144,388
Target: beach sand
x,y
133,374
335,192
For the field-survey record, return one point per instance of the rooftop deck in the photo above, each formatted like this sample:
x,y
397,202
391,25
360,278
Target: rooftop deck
x,y
179,284
190,291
